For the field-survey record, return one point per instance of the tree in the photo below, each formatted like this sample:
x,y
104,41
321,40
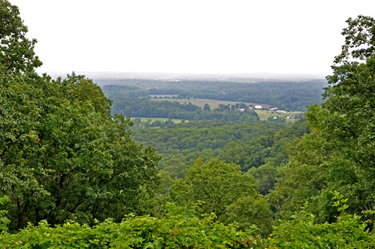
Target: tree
x,y
16,51
206,108
303,231
221,188
62,154
303,177
343,128
3,220
347,118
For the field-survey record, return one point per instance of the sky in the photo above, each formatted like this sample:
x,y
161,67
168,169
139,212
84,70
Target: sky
x,y
189,36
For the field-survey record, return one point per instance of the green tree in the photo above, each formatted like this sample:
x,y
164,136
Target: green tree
x,y
303,177
206,108
3,220
303,231
16,51
62,154
221,188
347,118
338,155
265,176
65,156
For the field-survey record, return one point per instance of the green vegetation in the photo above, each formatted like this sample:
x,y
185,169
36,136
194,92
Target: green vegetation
x,y
182,144
62,154
338,154
225,191
180,228
73,175
4,222
284,95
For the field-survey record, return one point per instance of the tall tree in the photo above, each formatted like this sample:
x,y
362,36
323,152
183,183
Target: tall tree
x,y
344,126
347,118
16,51
221,188
62,154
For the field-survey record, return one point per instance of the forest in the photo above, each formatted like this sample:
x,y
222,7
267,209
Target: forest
x,y
74,173
284,95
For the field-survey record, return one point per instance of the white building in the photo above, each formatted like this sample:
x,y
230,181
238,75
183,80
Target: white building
x,y
281,111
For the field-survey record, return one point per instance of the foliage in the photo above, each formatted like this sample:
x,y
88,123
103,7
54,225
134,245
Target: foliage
x,y
182,144
3,220
63,155
222,189
338,155
302,231
303,177
16,51
180,228
347,118
255,152
265,176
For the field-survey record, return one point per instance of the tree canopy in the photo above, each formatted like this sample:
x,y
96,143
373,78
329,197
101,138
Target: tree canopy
x,y
339,154
16,51
222,189
63,155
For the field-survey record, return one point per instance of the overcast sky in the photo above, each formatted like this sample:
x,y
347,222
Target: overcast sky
x,y
189,36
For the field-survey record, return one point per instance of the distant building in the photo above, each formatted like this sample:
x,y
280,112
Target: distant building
x,y
281,111
241,110
258,107
273,109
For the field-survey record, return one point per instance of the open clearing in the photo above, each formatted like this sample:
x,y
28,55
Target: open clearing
x,y
176,121
264,115
163,96
212,102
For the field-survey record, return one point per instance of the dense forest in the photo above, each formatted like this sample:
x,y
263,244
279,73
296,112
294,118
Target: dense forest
x,y
74,174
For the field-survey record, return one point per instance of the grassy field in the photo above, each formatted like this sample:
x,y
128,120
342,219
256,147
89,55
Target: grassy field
x,y
213,103
163,96
176,121
264,115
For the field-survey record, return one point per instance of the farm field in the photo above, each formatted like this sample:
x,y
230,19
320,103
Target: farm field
x,y
212,102
176,121
163,96
264,114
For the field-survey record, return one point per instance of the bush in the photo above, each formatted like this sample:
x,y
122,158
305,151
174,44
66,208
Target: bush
x,y
302,231
180,228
